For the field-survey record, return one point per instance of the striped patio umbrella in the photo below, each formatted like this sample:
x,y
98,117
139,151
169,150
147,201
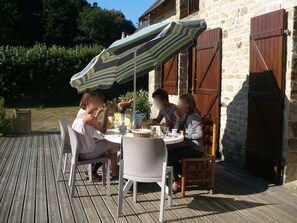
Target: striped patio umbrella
x,y
138,54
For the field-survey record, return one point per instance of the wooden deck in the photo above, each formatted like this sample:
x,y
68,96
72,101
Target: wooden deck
x,y
29,193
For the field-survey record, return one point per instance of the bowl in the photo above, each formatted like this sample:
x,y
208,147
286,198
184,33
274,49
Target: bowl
x,y
141,133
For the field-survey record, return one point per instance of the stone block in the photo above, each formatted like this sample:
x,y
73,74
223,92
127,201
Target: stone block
x,y
291,173
292,144
293,127
243,10
292,158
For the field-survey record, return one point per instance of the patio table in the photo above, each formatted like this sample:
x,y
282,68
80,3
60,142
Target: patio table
x,y
114,136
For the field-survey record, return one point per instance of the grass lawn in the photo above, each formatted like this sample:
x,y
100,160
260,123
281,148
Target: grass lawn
x,y
46,119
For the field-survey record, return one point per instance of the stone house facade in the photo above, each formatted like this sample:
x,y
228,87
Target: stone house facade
x,y
233,17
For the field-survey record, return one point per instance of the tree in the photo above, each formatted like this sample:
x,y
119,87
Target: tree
x,y
102,26
20,22
59,19
59,22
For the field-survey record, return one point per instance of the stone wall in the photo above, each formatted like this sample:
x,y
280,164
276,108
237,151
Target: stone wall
x,y
234,16
290,117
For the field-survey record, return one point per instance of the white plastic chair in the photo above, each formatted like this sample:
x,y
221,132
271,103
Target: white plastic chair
x,y
75,145
65,147
144,160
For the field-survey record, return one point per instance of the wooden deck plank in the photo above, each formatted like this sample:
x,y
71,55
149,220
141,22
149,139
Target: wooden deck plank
x,y
98,202
4,151
130,214
154,197
7,163
111,204
273,212
63,199
248,208
78,213
256,201
10,179
140,209
189,214
257,184
19,196
82,194
29,201
41,213
54,214
3,143
147,203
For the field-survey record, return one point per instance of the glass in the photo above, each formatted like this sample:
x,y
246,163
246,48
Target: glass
x,y
153,131
122,129
165,130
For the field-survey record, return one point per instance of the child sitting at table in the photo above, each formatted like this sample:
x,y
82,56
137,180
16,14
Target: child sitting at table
x,y
86,123
187,120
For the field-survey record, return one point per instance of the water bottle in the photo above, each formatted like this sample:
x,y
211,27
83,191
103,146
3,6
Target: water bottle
x,y
138,119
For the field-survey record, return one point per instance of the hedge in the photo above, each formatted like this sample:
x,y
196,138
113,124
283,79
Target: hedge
x,y
40,75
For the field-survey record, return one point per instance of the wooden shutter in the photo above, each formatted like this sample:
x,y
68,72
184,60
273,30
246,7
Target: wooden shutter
x,y
170,76
266,93
205,75
208,73
193,6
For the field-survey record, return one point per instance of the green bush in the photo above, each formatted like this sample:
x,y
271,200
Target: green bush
x,y
41,74
5,122
142,102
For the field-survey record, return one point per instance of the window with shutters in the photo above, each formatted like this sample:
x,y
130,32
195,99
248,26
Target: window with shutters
x,y
170,76
193,6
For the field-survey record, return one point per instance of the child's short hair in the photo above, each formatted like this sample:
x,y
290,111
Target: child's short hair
x,y
161,94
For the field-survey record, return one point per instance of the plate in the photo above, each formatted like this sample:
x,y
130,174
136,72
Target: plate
x,y
141,131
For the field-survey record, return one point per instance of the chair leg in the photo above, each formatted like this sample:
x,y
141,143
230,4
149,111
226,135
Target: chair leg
x,y
121,187
90,172
134,191
70,176
104,164
163,188
212,177
170,179
183,183
59,167
108,177
65,162
73,181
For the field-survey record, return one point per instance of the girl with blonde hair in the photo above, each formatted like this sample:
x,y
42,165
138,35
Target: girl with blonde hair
x,y
86,123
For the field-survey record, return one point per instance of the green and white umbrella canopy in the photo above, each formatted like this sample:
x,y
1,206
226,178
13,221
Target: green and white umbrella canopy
x,y
138,54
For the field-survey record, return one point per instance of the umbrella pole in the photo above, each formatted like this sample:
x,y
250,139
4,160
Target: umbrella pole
x,y
134,85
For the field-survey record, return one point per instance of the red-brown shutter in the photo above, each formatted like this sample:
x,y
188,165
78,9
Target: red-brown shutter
x,y
193,6
208,70
205,74
170,76
266,95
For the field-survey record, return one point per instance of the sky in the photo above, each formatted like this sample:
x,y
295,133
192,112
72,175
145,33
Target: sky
x,y
132,9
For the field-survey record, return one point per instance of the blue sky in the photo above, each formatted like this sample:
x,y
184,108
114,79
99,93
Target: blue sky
x,y
132,9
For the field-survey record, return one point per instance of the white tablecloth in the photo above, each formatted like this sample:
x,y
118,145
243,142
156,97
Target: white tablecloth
x,y
115,137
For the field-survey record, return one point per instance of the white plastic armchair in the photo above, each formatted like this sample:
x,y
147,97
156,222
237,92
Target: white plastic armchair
x,y
75,145
144,160
65,147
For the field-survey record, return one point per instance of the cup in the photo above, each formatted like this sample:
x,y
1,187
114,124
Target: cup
x,y
174,132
